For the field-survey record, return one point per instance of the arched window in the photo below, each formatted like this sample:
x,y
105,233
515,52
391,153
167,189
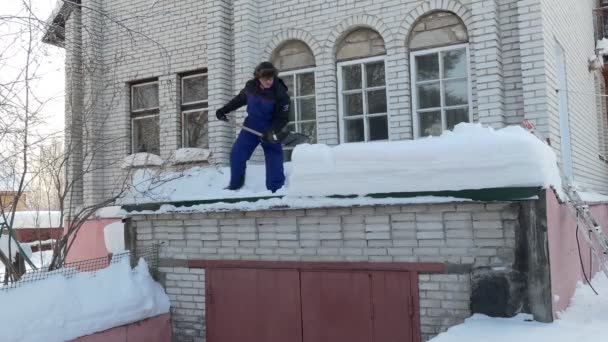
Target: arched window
x,y
362,86
439,66
296,62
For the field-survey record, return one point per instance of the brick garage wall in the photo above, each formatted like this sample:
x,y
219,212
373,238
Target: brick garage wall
x,y
464,236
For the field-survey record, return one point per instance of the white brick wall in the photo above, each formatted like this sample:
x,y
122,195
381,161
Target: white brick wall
x,y
571,25
512,64
475,235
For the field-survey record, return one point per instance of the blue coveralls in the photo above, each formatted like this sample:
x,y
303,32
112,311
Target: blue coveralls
x,y
262,110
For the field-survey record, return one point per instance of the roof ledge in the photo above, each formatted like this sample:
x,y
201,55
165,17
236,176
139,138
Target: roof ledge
x,y
55,30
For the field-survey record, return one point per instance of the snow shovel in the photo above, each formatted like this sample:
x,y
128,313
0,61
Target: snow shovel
x,y
290,140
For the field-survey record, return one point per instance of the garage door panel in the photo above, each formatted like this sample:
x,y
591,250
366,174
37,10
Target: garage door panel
x,y
391,295
253,305
336,306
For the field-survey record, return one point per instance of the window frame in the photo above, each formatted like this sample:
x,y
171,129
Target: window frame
x,y
145,113
293,73
365,116
140,117
441,108
196,106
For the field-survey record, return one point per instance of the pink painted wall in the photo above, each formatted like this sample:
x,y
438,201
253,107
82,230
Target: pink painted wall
x,y
90,242
563,253
155,329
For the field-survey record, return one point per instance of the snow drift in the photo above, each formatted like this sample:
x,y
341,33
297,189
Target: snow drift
x,y
470,157
61,309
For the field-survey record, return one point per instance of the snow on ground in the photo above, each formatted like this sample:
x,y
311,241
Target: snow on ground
x,y
470,157
39,259
61,309
585,320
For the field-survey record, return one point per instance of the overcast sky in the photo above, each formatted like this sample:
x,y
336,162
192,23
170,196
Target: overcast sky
x,y
51,73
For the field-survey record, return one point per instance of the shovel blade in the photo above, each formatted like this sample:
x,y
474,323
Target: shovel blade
x,y
293,138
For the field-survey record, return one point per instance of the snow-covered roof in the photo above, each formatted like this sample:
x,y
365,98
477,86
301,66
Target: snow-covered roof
x,y
469,158
36,219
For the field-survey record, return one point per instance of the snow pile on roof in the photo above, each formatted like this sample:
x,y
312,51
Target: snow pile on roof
x,y
585,320
36,219
593,197
471,157
197,183
60,309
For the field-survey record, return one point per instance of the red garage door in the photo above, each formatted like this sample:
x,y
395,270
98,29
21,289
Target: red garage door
x,y
268,305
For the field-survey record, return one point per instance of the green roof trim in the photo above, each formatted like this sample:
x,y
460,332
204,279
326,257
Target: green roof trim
x,y
480,195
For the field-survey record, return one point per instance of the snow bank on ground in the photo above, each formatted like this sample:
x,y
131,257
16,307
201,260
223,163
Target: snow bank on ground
x,y
585,320
4,241
60,309
470,157
39,259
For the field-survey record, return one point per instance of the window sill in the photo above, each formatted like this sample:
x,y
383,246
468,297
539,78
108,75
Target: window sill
x,y
190,155
140,160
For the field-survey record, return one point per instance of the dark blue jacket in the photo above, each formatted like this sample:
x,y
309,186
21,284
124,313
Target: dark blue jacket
x,y
266,108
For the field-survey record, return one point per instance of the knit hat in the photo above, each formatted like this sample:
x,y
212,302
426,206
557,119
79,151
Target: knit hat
x,y
265,70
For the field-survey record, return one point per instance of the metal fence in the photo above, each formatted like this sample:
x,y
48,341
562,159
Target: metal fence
x,y
149,254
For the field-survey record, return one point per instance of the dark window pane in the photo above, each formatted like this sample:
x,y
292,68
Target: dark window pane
x,y
455,63
353,104
194,89
309,129
354,130
292,111
430,123
195,129
427,67
456,116
378,128
307,109
146,136
456,92
376,101
375,74
145,96
351,77
306,84
429,96
288,79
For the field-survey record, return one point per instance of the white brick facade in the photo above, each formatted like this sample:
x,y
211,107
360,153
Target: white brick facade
x,y
512,65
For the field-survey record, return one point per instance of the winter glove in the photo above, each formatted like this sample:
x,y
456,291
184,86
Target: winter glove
x,y
270,136
220,114
275,137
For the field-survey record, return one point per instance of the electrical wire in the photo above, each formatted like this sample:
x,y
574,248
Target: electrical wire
x,y
580,257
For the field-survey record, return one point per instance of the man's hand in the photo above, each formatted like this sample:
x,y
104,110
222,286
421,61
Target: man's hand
x,y
220,114
270,136
275,137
